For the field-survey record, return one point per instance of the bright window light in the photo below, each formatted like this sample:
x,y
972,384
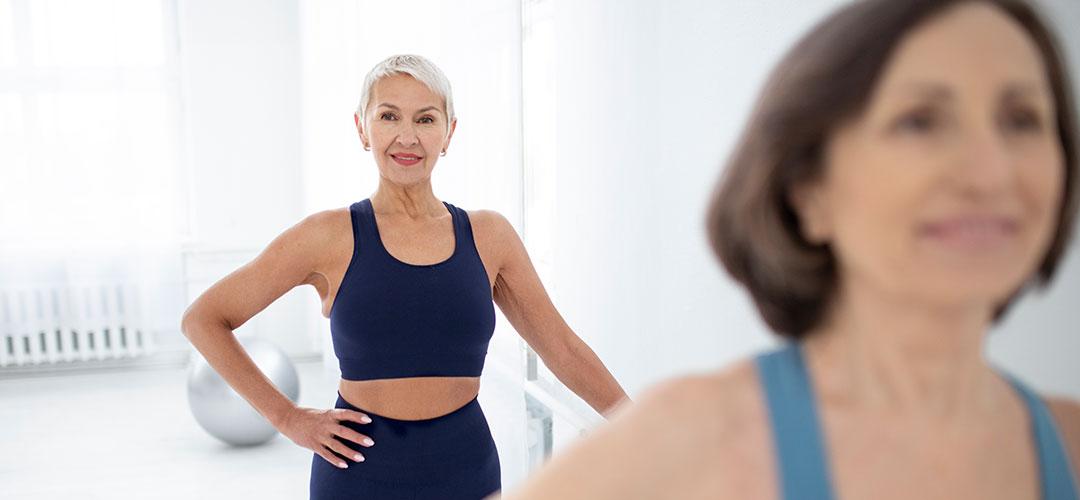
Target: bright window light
x,y
89,132
98,33
7,36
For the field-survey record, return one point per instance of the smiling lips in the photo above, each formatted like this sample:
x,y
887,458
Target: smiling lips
x,y
973,232
406,159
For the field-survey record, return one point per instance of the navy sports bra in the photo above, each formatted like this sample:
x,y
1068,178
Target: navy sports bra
x,y
391,319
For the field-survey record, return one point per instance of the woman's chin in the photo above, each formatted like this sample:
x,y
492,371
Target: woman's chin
x,y
407,179
960,290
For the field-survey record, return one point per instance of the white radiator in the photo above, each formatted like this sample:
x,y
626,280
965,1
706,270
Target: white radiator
x,y
70,323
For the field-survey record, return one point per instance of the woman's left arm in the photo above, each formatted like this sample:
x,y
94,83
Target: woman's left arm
x,y
522,298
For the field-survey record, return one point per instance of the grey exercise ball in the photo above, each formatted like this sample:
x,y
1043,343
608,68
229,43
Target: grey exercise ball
x,y
226,415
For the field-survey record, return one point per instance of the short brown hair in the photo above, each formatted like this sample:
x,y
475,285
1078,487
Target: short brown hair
x,y
823,81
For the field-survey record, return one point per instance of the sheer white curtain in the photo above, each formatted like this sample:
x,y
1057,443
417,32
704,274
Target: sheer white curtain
x,y
88,110
92,179
478,45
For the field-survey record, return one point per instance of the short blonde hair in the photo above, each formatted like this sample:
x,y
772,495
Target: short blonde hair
x,y
418,67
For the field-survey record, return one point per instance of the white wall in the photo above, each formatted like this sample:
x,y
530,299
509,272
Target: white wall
x,y
241,88
242,99
650,99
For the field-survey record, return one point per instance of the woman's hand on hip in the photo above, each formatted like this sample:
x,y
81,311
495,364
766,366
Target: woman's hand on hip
x,y
317,431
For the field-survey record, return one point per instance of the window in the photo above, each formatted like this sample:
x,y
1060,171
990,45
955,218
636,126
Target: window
x,y
89,125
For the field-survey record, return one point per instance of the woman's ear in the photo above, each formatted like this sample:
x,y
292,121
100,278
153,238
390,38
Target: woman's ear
x,y
811,210
360,130
449,135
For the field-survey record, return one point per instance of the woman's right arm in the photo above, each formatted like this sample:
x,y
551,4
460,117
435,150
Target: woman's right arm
x,y
296,257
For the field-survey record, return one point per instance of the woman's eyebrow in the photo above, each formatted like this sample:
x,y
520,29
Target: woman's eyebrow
x,y
429,108
423,110
942,92
1022,89
929,90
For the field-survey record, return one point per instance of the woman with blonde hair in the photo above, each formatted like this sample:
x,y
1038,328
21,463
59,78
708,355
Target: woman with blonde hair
x,y
408,283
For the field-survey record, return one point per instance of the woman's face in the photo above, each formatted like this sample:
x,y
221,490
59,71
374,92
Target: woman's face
x,y
406,127
947,187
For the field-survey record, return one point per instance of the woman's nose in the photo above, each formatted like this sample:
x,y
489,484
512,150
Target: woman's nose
x,y
987,167
406,136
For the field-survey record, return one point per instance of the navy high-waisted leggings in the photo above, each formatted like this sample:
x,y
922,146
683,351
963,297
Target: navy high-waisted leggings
x,y
450,457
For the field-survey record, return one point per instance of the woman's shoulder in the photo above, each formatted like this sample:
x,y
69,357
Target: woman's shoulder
x,y
318,234
328,216
488,221
494,235
692,436
719,418
724,403
730,391
1066,414
324,225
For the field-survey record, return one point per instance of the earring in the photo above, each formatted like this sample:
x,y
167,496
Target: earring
x,y
367,148
443,153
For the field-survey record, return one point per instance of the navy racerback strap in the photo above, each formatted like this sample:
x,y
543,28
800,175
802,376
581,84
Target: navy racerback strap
x,y
801,455
797,443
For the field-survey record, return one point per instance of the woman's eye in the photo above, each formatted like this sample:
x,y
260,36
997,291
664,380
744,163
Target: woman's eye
x,y
427,119
918,121
387,116
1022,121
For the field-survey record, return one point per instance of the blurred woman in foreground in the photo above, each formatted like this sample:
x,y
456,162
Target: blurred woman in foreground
x,y
910,169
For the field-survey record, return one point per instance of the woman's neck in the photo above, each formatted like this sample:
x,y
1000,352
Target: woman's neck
x,y
415,202
875,351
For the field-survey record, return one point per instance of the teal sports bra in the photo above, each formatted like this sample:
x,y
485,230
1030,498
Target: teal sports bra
x,y
801,458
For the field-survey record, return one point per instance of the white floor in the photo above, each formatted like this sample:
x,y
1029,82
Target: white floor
x,y
120,435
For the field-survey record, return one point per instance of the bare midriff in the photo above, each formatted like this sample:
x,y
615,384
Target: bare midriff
x,y
414,398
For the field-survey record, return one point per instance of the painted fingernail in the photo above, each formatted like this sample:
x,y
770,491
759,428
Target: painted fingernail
x,y
343,465
365,419
359,458
368,442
